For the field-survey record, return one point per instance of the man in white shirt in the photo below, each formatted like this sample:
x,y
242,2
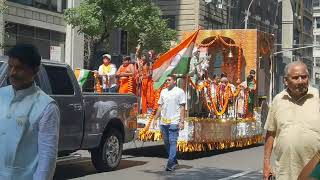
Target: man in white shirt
x,y
172,108
108,72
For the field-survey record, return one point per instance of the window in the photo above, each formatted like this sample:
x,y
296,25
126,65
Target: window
x,y
43,39
59,80
317,22
171,21
316,3
307,25
51,5
317,37
307,4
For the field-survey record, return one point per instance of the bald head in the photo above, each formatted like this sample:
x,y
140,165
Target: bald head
x,y
293,64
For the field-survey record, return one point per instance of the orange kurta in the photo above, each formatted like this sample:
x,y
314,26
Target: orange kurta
x,y
126,84
147,92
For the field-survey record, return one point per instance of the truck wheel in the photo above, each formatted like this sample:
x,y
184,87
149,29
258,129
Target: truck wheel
x,y
108,155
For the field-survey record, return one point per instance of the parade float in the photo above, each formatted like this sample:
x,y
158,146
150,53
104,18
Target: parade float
x,y
220,113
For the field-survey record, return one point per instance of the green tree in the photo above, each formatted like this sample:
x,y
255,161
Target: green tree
x,y
96,19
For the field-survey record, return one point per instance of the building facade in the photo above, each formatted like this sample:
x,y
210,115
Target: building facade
x,y
188,15
41,23
297,27
316,41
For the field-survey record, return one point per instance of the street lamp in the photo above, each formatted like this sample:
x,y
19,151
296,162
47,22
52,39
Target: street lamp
x,y
247,16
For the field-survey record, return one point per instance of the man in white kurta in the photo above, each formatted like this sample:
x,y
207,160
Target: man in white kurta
x,y
29,121
293,125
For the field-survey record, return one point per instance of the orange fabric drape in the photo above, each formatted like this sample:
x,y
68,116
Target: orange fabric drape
x,y
126,84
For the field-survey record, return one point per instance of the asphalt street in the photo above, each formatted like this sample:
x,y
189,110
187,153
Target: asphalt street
x,y
147,161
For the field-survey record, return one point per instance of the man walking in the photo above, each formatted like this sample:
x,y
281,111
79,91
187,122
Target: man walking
x,y
172,108
293,128
29,121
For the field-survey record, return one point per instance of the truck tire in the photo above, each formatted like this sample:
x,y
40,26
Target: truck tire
x,y
108,155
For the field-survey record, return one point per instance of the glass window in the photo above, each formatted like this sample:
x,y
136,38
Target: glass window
x,y
316,3
41,38
317,37
26,2
307,25
51,5
57,36
59,80
318,22
307,4
42,34
171,20
26,30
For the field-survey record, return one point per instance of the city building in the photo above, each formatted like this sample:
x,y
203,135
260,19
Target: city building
x,y
316,41
41,23
188,15
297,26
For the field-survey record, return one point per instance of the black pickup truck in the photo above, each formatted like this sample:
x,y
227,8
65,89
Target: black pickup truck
x,y
99,123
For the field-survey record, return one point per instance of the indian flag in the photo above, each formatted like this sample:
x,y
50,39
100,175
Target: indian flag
x,y
175,61
81,75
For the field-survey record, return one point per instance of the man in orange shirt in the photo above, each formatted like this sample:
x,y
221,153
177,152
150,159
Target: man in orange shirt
x,y
125,74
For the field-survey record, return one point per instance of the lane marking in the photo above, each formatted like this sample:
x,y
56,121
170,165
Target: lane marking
x,y
236,175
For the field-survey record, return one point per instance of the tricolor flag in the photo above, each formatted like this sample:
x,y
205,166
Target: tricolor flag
x,y
81,75
175,61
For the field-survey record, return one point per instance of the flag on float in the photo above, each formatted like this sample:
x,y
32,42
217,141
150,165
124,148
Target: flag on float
x,y
175,61
81,75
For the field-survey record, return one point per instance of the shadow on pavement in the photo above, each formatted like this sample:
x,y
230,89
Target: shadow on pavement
x,y
159,151
194,174
84,167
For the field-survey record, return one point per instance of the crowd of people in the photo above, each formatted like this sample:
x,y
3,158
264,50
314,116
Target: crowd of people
x,y
234,100
135,78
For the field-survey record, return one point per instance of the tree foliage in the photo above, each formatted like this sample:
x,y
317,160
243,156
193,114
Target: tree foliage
x,y
141,18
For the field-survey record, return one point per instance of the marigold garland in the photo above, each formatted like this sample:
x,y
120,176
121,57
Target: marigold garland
x,y
184,146
130,84
145,134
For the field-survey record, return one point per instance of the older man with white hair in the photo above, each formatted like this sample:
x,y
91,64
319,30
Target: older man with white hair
x,y
293,125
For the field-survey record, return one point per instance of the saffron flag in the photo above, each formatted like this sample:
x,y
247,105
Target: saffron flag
x,y
175,61
81,75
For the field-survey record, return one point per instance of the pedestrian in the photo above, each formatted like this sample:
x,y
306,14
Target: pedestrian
x,y
108,72
293,128
29,121
172,108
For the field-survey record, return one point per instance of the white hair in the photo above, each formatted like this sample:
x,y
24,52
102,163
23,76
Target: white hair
x,y
294,63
